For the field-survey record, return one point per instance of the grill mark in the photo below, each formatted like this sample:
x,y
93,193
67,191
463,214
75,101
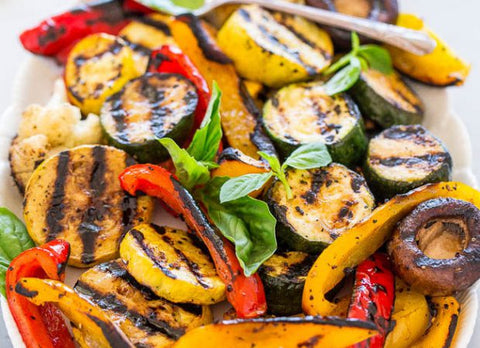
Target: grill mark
x,y
129,204
429,160
451,331
154,97
300,269
110,332
55,212
409,132
317,180
89,229
163,27
118,114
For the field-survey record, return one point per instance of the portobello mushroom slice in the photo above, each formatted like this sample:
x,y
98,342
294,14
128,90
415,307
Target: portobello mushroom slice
x,y
402,158
326,202
150,107
283,277
76,196
387,99
146,319
436,248
303,113
173,264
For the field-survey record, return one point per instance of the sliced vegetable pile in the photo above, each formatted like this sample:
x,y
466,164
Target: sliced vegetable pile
x,y
317,231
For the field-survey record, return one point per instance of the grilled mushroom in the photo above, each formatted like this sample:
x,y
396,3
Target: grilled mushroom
x,y
436,248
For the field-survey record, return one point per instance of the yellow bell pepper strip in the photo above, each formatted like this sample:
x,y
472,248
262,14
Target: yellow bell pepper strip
x,y
92,322
363,239
240,117
444,323
410,317
285,332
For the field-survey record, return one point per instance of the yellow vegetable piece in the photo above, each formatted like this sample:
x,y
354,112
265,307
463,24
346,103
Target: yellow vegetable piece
x,y
363,239
442,67
444,323
152,32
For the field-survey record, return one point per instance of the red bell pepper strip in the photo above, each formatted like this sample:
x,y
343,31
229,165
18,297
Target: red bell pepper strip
x,y
373,297
132,6
58,32
246,294
170,59
39,326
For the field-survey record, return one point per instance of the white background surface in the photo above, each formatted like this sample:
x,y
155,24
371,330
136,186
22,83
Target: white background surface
x,y
456,21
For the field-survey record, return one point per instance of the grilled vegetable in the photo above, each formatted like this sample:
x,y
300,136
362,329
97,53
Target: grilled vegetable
x,y
97,67
366,237
280,56
240,121
436,248
404,157
169,263
386,99
304,113
280,332
442,67
146,319
326,202
151,31
75,195
150,107
284,275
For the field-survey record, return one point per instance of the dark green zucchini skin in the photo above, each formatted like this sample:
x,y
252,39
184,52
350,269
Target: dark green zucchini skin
x,y
385,188
381,110
284,291
149,150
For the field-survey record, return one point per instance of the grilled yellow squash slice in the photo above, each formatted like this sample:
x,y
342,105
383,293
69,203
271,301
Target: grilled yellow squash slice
x,y
151,31
146,319
97,67
76,196
171,264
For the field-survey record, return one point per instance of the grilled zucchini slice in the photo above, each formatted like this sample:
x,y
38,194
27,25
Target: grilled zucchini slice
x,y
386,99
76,196
283,277
97,67
146,319
280,56
150,107
302,113
172,264
326,202
402,158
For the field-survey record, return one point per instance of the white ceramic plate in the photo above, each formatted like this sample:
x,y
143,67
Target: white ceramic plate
x,y
34,84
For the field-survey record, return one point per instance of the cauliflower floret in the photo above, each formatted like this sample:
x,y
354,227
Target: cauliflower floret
x,y
84,132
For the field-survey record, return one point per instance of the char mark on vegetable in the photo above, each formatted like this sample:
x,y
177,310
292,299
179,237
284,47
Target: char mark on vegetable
x,y
110,332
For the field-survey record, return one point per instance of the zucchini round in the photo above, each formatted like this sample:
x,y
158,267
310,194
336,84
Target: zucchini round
x,y
402,158
76,196
172,265
326,202
283,277
146,319
148,108
387,99
302,113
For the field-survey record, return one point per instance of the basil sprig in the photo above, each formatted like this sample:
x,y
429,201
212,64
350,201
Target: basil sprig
x,y
247,222
307,156
173,7
14,239
348,68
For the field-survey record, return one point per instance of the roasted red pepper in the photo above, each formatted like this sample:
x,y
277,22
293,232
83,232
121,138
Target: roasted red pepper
x,y
40,326
55,34
246,294
132,6
170,59
373,296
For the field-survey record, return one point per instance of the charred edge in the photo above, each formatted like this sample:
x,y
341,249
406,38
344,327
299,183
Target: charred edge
x,y
110,332
89,229
111,302
428,160
107,11
163,27
20,289
63,265
404,132
204,40
451,331
55,212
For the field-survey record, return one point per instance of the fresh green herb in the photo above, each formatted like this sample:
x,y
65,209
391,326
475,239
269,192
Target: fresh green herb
x,y
173,7
14,239
349,67
246,222
307,156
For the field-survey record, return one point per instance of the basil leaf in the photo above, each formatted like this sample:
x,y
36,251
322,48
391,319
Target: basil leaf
x,y
246,222
241,186
377,57
345,60
14,239
188,170
314,155
272,161
344,79
173,7
207,138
